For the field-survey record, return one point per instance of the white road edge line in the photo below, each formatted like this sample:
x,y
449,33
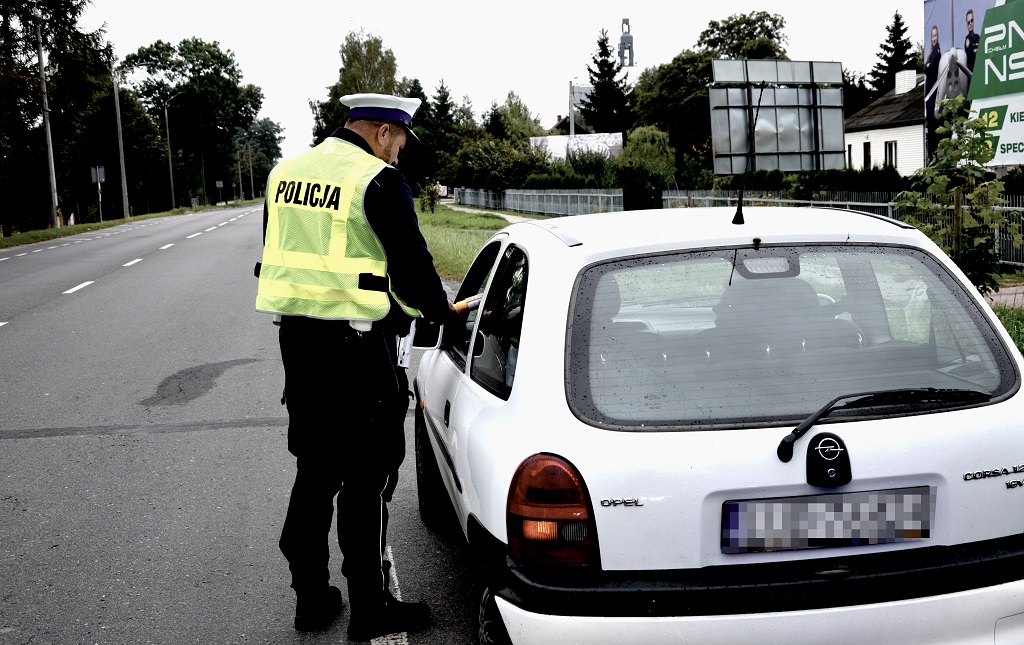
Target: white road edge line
x,y
400,638
135,261
81,286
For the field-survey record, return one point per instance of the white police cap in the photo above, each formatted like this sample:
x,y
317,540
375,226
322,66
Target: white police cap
x,y
382,107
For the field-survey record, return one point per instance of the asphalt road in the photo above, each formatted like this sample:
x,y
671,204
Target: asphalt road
x,y
143,468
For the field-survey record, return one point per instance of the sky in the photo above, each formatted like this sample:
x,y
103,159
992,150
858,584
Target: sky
x,y
479,50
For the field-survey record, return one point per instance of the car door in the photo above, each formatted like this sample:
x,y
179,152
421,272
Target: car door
x,y
491,372
440,377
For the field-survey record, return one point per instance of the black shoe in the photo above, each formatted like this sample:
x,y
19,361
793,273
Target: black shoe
x,y
391,617
316,611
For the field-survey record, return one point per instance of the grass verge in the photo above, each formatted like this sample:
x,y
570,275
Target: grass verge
x,y
455,237
1013,319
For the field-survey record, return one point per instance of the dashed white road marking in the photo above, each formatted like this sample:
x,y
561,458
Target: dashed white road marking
x,y
194,235
81,286
7,258
400,638
166,246
135,261
21,254
2,324
212,228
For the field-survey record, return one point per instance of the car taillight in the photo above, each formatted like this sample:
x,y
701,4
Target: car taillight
x,y
550,519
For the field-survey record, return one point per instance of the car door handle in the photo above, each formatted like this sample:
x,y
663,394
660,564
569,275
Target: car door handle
x,y
447,412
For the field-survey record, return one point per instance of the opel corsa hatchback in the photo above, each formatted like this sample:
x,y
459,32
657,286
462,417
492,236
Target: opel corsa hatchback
x,y
664,427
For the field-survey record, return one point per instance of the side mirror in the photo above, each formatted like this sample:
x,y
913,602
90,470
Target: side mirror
x,y
427,336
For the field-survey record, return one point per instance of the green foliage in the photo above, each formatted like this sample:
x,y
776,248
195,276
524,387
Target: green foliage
x,y
896,54
1012,319
647,161
259,149
808,184
430,197
454,237
856,93
366,66
496,164
512,122
955,200
756,35
582,170
607,108
196,87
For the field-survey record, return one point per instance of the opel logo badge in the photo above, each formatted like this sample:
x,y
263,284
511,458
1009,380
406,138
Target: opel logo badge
x,y
829,449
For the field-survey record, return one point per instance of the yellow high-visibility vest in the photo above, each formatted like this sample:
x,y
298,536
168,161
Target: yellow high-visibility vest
x,y
320,257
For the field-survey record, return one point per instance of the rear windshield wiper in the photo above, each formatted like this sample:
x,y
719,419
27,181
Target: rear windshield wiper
x,y
877,398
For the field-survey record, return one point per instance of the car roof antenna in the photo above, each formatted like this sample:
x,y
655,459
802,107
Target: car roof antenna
x,y
738,217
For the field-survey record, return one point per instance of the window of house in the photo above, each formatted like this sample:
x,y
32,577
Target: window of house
x,y
867,154
890,153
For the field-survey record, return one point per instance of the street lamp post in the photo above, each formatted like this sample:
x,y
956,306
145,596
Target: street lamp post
x,y
170,167
46,123
572,117
114,77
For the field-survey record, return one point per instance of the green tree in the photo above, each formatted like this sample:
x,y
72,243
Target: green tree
x,y
856,93
497,164
606,108
674,97
895,54
258,150
647,160
24,169
756,35
198,88
512,122
366,66
957,198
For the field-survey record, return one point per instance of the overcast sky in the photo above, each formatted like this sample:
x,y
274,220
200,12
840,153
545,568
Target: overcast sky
x,y
480,50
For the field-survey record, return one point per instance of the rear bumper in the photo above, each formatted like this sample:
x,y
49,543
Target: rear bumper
x,y
933,594
989,615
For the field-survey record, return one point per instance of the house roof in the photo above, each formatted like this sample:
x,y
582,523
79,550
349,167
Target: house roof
x,y
891,111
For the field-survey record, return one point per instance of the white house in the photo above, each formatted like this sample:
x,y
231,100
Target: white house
x,y
890,131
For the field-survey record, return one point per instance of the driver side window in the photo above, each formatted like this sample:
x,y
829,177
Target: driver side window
x,y
496,351
458,337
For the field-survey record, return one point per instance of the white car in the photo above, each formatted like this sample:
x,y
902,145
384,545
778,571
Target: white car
x,y
667,427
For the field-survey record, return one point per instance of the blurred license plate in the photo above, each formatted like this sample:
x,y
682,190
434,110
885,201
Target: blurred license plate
x,y
833,520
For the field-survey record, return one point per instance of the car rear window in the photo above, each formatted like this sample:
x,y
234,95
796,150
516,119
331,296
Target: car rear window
x,y
768,335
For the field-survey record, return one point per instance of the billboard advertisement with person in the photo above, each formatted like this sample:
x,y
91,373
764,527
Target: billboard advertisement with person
x,y
952,39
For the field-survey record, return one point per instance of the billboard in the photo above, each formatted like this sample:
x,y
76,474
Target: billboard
x,y
975,49
776,115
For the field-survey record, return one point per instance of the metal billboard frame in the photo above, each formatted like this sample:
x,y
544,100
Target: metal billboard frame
x,y
776,115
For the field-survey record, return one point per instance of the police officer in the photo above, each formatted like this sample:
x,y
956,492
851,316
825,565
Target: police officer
x,y
346,267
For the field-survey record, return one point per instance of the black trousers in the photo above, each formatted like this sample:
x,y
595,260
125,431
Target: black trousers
x,y
347,401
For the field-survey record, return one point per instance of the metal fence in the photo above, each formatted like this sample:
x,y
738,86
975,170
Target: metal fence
x,y
545,202
581,202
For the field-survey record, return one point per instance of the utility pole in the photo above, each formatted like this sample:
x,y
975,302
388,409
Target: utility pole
x,y
120,143
46,124
252,190
170,167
